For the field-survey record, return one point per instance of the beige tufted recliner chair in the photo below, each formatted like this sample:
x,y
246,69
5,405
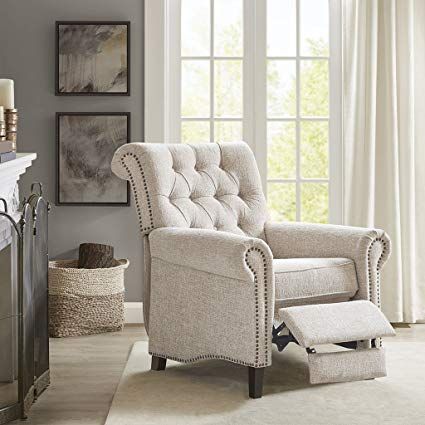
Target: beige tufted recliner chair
x,y
223,282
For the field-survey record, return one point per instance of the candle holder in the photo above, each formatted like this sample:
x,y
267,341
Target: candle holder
x,y
11,120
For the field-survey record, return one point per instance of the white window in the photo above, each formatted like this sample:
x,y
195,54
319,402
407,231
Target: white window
x,y
267,72
211,70
298,109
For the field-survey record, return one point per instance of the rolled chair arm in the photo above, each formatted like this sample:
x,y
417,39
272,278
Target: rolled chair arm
x,y
130,163
368,248
212,296
206,250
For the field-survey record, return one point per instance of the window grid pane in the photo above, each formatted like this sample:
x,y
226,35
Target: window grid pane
x,y
314,27
281,88
303,96
314,82
281,144
227,131
314,149
218,82
281,201
228,28
314,202
195,88
195,27
281,25
228,88
195,131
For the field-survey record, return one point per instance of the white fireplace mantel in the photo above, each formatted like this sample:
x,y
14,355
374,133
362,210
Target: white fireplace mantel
x,y
10,173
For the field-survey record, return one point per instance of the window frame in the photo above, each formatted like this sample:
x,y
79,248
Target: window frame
x,y
213,59
163,77
334,118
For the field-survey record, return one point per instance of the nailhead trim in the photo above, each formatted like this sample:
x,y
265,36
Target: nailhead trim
x,y
204,357
266,308
143,229
384,244
378,266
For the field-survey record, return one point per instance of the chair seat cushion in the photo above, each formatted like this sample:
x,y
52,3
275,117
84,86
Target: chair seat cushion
x,y
314,280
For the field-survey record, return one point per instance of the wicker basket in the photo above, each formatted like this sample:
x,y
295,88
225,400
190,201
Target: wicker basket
x,y
85,301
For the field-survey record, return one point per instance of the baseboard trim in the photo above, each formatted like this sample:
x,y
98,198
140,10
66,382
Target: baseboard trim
x,y
133,312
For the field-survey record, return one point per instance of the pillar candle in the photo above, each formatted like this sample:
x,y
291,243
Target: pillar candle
x,y
1,113
7,95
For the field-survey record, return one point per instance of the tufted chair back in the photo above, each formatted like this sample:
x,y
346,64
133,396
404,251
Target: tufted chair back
x,y
208,185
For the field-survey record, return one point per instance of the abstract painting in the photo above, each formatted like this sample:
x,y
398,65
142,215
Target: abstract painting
x,y
92,58
86,143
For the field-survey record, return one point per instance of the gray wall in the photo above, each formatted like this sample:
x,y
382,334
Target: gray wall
x,y
27,55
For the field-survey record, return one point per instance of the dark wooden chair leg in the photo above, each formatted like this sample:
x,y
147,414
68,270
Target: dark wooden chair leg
x,y
255,379
158,363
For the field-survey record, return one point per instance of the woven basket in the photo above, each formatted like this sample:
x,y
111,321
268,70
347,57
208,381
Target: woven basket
x,y
85,301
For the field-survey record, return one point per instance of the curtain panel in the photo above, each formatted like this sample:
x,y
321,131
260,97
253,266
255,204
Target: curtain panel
x,y
384,140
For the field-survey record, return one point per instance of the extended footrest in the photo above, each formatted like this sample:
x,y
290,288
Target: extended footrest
x,y
339,323
343,366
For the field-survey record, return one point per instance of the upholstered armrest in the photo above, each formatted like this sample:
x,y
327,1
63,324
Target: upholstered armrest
x,y
368,248
295,240
212,296
206,250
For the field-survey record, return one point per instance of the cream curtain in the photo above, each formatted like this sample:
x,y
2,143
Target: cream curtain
x,y
384,140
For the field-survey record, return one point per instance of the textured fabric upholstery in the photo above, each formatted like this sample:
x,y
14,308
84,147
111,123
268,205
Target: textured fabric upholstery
x,y
209,186
207,250
314,280
146,287
332,323
209,293
368,248
345,366
212,296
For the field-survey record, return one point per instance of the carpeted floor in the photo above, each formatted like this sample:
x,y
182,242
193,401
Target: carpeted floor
x,y
215,392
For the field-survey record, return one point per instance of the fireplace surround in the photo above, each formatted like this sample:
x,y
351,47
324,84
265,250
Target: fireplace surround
x,y
24,366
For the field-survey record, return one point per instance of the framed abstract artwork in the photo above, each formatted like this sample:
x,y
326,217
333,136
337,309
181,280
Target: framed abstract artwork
x,y
86,143
92,58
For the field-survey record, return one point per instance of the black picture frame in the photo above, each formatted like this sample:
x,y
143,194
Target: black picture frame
x,y
88,93
58,201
